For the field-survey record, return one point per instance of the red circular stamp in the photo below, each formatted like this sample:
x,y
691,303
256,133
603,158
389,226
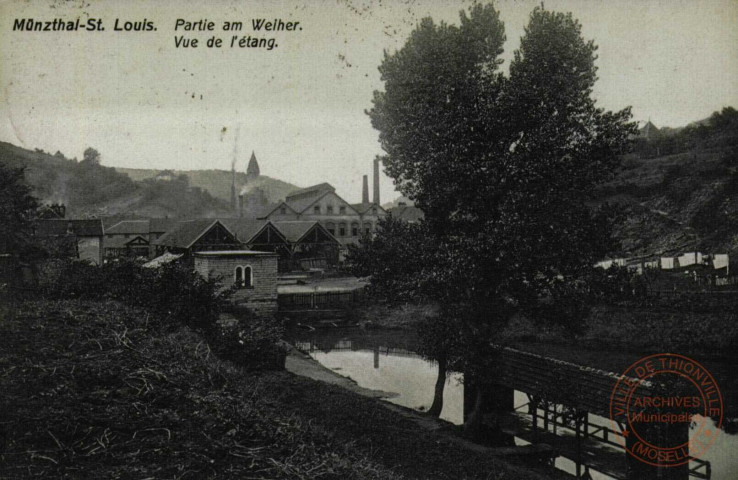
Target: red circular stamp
x,y
663,405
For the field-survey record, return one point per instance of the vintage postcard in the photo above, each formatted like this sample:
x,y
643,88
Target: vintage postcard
x,y
369,239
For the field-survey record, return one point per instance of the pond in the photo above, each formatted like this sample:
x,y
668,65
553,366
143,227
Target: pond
x,y
387,361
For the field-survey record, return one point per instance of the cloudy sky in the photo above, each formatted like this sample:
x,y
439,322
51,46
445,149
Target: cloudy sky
x,y
145,104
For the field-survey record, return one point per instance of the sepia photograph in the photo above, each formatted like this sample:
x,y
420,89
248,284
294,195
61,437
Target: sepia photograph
x,y
369,239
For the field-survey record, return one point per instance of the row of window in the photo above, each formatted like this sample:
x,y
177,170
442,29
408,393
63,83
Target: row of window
x,y
328,209
355,229
243,277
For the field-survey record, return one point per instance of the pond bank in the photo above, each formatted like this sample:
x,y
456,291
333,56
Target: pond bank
x,y
90,391
304,365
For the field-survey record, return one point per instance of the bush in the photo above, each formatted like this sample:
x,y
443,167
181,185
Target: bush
x,y
253,343
174,293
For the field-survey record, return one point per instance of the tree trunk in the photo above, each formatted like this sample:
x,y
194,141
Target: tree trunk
x,y
437,406
473,423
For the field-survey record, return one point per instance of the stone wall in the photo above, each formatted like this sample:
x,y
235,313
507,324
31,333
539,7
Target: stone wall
x,y
261,297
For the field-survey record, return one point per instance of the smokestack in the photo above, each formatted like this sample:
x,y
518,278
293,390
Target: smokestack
x,y
233,189
240,205
365,190
376,181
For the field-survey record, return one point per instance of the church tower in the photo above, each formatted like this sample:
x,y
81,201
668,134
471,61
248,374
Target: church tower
x,y
252,171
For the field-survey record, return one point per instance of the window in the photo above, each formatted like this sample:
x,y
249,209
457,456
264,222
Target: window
x,y
342,210
354,229
244,277
316,209
283,211
374,210
329,208
331,227
342,230
248,278
367,228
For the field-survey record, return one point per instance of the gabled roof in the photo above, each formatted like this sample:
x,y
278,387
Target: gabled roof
x,y
163,260
318,189
295,231
365,207
186,233
137,227
271,208
161,225
81,228
303,204
244,229
123,242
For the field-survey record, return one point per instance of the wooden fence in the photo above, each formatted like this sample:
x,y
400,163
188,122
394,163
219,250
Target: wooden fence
x,y
318,300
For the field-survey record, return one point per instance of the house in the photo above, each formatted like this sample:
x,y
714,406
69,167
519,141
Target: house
x,y
346,222
190,236
254,274
136,247
81,239
121,233
320,203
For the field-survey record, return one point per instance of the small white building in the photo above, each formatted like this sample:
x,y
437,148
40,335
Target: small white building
x,y
253,273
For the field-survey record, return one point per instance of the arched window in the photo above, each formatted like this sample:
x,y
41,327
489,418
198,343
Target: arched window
x,y
238,276
331,227
367,228
341,229
354,229
248,277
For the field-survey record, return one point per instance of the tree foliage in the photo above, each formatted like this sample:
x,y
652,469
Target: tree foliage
x,y
91,157
503,167
17,211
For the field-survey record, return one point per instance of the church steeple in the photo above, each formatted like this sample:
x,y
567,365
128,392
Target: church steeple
x,y
253,169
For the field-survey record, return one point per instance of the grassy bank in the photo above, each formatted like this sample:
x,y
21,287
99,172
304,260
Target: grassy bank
x,y
90,390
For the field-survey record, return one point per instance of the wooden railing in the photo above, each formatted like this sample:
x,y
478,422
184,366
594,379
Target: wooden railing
x,y
318,300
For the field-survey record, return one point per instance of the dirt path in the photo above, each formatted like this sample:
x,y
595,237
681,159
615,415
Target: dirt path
x,y
304,365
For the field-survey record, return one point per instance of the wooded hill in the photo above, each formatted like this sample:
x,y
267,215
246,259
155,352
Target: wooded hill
x,y
218,182
678,188
89,189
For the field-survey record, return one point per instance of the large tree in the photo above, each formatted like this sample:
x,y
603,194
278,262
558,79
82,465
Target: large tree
x,y
17,212
503,166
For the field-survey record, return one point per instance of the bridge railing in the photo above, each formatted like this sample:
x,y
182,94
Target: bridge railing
x,y
319,300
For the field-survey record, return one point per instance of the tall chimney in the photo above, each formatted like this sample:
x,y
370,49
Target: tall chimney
x,y
233,189
365,190
240,205
376,181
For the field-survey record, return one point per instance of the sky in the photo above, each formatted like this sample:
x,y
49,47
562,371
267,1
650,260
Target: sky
x,y
144,103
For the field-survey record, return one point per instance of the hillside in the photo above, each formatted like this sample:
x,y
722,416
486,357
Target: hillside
x,y
679,189
89,189
218,182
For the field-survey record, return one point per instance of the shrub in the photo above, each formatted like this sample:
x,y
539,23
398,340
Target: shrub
x,y
174,293
253,343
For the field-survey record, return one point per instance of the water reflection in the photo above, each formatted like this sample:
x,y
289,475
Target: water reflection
x,y
386,361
